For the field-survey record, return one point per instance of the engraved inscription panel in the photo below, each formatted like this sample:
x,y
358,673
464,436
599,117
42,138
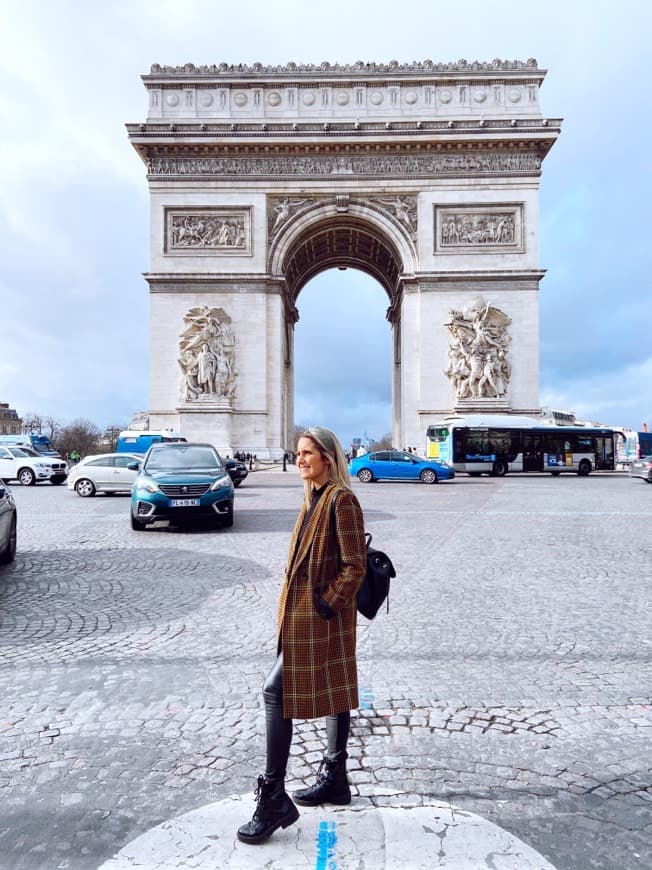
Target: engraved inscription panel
x,y
208,231
479,229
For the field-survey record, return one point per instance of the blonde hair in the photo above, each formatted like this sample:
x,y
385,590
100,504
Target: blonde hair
x,y
331,450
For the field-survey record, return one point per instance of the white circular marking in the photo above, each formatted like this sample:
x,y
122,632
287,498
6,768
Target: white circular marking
x,y
391,838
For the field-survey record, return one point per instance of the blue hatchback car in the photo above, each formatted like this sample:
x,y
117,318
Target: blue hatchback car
x,y
182,482
399,465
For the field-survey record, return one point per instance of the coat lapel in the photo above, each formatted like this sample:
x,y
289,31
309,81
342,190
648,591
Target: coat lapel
x,y
316,522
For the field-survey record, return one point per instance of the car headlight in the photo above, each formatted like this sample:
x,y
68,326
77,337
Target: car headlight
x,y
41,465
146,485
220,482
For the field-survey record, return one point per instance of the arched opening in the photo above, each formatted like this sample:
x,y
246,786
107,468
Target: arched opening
x,y
348,270
343,356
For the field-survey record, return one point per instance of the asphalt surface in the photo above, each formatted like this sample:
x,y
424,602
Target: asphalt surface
x,y
511,677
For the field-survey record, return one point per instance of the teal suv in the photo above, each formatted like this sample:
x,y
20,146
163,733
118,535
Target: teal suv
x,y
182,483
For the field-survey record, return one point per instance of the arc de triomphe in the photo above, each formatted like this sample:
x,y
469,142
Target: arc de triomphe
x,y
423,175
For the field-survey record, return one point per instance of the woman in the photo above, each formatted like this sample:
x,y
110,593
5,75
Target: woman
x,y
315,672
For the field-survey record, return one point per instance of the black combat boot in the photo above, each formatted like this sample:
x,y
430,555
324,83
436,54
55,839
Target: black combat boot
x,y
274,810
332,786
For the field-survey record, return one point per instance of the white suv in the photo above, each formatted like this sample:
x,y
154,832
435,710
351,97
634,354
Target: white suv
x,y
29,467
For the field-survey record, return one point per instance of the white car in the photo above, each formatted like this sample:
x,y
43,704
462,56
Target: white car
x,y
29,467
103,472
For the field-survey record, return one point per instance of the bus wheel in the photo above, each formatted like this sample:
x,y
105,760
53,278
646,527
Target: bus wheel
x,y
499,469
585,468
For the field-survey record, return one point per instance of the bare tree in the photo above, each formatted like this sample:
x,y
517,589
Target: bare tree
x,y
299,429
81,436
52,427
384,443
111,435
33,424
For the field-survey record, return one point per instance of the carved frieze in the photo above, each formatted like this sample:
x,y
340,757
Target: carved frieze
x,y
193,231
207,357
478,361
479,229
423,165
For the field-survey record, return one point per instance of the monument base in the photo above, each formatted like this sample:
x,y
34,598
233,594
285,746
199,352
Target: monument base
x,y
482,405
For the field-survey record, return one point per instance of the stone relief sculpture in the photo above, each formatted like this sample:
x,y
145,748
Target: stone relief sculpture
x,y
206,356
478,229
280,210
478,163
478,365
207,231
402,208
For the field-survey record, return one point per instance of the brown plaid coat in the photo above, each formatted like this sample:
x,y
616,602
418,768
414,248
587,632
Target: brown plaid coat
x,y
320,676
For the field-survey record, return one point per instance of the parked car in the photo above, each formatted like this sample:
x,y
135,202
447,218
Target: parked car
x,y
237,470
181,482
29,467
103,472
8,524
399,465
642,468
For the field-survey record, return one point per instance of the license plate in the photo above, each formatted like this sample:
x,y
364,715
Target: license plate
x,y
184,502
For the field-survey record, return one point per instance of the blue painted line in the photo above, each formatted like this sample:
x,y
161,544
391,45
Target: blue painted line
x,y
326,845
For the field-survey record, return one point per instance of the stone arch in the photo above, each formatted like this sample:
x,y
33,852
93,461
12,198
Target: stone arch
x,y
329,235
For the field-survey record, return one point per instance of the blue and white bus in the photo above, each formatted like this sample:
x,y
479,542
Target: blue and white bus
x,y
496,444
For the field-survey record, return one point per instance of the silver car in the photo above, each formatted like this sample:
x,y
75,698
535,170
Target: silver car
x,y
103,472
642,468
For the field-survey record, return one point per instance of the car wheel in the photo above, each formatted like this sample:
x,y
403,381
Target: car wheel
x,y
428,476
226,520
499,469
9,553
584,468
137,525
365,476
85,487
26,477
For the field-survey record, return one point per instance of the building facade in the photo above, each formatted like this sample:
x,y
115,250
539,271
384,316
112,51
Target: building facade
x,y
424,175
10,422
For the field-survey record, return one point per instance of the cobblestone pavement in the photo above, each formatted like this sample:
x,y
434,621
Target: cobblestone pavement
x,y
511,676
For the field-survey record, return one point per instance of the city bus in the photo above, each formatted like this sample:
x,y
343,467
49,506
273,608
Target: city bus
x,y
497,444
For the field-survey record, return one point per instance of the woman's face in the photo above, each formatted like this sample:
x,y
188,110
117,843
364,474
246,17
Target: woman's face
x,y
310,463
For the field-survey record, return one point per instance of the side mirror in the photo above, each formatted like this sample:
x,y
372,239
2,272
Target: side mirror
x,y
133,466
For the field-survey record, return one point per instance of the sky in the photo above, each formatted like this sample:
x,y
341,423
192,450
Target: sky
x,y
74,308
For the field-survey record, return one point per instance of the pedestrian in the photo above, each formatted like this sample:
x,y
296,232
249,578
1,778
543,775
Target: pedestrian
x,y
315,673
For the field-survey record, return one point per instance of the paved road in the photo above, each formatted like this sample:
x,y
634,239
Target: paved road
x,y
510,678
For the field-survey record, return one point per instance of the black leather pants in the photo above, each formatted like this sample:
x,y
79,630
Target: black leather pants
x,y
279,730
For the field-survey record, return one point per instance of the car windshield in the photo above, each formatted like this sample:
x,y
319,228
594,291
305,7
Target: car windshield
x,y
184,457
22,451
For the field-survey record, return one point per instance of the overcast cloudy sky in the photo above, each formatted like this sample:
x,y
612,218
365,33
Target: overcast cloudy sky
x,y
74,201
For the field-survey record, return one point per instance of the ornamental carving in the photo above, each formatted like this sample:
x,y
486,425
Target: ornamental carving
x,y
280,210
478,163
402,209
207,231
479,228
207,356
359,67
478,361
